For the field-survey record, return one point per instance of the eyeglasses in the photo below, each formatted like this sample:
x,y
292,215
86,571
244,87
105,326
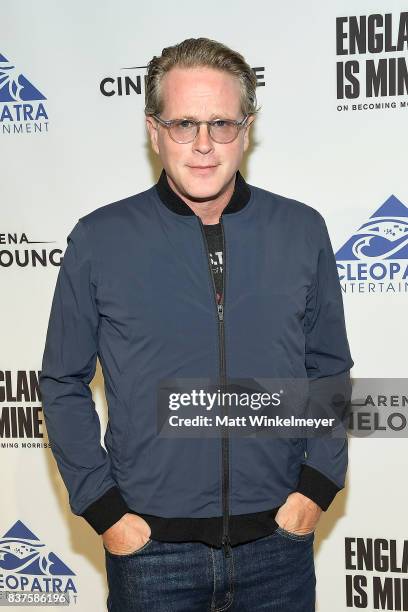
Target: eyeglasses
x,y
184,131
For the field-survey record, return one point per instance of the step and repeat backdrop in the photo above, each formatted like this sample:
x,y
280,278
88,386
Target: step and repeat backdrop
x,y
332,132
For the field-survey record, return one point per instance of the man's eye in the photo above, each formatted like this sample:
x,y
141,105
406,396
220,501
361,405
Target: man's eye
x,y
186,124
221,123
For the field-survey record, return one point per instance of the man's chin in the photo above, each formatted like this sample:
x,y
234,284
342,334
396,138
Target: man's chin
x,y
202,196
199,188
203,190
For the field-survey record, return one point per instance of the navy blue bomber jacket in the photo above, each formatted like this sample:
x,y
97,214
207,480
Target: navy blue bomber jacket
x,y
135,290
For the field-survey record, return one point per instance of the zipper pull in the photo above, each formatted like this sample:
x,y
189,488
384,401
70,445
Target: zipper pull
x,y
226,546
220,311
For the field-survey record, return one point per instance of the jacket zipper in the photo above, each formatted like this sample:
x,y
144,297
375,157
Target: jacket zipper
x,y
226,543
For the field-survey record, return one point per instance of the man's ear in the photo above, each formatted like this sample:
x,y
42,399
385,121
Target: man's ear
x,y
153,133
250,121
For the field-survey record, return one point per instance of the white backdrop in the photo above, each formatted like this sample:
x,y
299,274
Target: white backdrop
x,y
91,149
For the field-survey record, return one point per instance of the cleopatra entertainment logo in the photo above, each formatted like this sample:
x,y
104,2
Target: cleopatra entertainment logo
x,y
27,565
372,61
22,105
21,413
132,81
17,251
375,258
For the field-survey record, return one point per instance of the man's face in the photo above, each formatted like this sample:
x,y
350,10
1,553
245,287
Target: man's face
x,y
202,168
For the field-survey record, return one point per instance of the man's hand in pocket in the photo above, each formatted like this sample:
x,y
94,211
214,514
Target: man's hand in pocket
x,y
298,514
126,535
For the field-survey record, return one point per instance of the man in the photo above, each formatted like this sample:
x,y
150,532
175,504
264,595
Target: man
x,y
202,276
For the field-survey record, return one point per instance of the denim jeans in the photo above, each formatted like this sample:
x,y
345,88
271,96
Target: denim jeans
x,y
274,573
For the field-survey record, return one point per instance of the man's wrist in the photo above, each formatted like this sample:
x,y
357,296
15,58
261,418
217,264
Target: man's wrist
x,y
304,501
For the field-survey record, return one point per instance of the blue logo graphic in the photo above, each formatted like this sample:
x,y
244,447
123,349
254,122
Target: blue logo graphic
x,y
384,236
14,86
21,552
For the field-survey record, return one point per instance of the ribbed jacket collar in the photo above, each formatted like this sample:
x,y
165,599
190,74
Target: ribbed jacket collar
x,y
169,198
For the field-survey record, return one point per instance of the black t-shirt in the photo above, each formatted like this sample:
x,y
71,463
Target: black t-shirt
x,y
213,233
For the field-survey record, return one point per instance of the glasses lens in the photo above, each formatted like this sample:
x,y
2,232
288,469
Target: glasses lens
x,y
223,131
183,131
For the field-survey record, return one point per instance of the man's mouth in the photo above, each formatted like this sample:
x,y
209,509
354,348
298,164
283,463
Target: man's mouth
x,y
202,169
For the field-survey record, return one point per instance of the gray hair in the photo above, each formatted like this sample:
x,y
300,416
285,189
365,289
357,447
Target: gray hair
x,y
199,52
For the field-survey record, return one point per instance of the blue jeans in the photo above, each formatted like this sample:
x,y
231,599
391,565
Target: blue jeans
x,y
274,573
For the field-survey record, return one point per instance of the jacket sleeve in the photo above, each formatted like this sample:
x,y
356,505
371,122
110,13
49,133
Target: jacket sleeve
x,y
68,366
327,361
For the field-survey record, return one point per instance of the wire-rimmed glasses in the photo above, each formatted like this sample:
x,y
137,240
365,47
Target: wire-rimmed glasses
x,y
184,131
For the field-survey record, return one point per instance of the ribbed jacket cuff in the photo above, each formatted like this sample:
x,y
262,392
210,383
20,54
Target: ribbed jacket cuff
x,y
317,487
106,510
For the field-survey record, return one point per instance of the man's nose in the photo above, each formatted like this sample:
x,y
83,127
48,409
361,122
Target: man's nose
x,y
203,142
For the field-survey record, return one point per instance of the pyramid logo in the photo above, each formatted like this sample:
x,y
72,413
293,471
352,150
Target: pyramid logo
x,y
14,86
383,236
21,552
375,258
22,105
